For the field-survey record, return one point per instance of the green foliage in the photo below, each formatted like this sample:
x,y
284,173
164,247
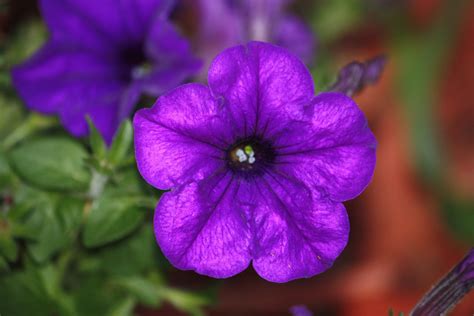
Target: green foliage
x,y
335,17
145,291
33,291
121,144
8,247
27,38
458,214
186,301
98,145
107,159
115,260
11,115
3,265
76,238
124,308
53,223
51,164
421,57
111,217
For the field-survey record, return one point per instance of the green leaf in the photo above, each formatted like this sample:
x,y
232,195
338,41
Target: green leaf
x,y
97,142
3,265
31,125
121,144
27,38
24,293
123,308
129,182
111,217
51,235
115,259
93,297
70,213
26,199
186,301
8,246
19,230
51,164
11,117
6,175
145,291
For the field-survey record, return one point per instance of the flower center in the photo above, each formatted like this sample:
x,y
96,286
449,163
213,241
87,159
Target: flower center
x,y
135,59
249,155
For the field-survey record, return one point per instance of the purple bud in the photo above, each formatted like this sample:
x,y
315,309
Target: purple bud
x,y
373,69
355,76
449,291
349,78
300,310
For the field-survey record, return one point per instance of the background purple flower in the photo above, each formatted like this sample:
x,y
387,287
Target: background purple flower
x,y
257,167
225,23
101,56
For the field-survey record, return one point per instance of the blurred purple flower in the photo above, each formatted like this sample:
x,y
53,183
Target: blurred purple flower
x,y
449,290
257,166
225,23
300,310
355,76
101,56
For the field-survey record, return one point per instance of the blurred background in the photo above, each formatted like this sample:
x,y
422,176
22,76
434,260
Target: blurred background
x,y
416,219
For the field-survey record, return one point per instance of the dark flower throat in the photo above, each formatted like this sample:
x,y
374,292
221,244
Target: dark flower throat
x,y
250,155
136,61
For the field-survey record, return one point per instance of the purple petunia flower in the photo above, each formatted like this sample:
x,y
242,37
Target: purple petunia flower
x,y
225,23
101,56
257,166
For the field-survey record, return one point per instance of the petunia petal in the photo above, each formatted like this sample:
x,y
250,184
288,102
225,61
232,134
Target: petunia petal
x,y
179,139
334,152
104,117
140,15
220,27
164,44
297,233
166,77
262,86
294,34
162,78
62,80
172,58
95,23
201,227
104,25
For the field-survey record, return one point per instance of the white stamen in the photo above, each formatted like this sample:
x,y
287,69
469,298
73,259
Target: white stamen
x,y
241,154
251,159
